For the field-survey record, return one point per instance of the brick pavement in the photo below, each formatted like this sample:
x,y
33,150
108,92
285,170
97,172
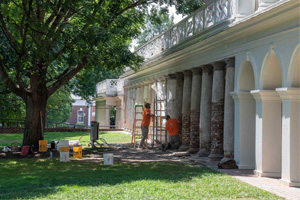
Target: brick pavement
x,y
269,184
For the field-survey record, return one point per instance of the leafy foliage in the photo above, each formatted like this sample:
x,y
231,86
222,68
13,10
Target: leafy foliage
x,y
156,22
59,106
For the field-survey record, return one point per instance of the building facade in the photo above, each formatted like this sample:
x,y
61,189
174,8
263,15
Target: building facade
x,y
82,112
230,72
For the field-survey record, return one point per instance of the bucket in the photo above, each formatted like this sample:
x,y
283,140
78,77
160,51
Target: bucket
x,y
25,150
77,152
108,158
43,145
62,143
64,156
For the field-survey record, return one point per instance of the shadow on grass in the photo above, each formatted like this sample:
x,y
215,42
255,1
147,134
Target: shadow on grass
x,y
38,178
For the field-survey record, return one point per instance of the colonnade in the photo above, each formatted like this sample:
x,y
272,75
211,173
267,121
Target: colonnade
x,y
195,97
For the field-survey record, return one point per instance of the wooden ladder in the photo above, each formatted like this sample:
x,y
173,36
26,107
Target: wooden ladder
x,y
136,129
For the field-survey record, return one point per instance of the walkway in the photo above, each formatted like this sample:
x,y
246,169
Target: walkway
x,y
269,184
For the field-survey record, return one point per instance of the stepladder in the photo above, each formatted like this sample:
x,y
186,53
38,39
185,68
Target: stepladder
x,y
137,121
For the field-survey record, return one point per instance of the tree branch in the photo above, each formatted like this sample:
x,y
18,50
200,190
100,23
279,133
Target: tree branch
x,y
8,35
9,83
138,3
68,76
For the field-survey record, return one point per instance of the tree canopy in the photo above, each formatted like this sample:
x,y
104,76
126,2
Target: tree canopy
x,y
45,43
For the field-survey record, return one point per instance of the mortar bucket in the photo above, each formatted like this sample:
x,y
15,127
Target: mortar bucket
x,y
108,158
62,143
77,152
64,156
43,145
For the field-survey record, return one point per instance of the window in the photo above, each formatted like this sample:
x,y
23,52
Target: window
x,y
80,116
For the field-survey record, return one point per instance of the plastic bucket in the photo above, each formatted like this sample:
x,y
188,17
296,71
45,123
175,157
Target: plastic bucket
x,y
108,158
77,152
43,145
64,156
62,143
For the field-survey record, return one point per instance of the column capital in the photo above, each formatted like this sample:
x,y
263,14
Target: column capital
x,y
206,68
187,73
218,65
292,94
171,76
197,71
265,95
179,75
230,62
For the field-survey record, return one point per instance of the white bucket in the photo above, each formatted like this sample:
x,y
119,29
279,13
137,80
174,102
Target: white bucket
x,y
108,158
64,156
62,143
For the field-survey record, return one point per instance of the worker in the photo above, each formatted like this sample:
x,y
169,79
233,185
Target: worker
x,y
145,125
172,128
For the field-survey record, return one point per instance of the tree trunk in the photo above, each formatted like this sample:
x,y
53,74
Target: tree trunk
x,y
34,124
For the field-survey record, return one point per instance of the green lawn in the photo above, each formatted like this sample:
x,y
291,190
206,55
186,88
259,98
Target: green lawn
x,y
51,179
110,137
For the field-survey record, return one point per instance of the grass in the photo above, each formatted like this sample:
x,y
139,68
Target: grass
x,y
110,137
51,179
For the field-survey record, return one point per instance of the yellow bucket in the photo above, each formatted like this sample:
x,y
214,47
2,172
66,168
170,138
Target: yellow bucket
x,y
43,145
77,152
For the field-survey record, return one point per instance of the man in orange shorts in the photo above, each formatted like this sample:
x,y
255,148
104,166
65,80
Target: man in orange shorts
x,y
172,127
145,124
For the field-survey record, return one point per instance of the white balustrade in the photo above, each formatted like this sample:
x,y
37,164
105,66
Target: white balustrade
x,y
110,87
212,13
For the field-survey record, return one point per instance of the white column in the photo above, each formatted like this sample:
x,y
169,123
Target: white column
x,y
102,113
186,110
205,111
228,142
267,133
244,130
290,175
171,95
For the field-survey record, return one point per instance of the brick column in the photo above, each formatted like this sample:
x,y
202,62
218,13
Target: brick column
x,y
195,110
217,112
205,111
186,110
229,111
178,100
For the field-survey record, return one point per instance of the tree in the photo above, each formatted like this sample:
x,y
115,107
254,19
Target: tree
x,y
44,44
156,22
59,106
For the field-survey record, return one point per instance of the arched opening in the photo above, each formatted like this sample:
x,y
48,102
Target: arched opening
x,y
296,73
268,132
245,119
272,74
247,82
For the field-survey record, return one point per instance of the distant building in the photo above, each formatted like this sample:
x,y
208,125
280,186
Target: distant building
x,y
82,112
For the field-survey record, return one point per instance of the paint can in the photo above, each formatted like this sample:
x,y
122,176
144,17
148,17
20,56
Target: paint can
x,y
108,158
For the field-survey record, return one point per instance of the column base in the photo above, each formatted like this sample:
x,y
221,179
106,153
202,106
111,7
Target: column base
x,y
246,166
193,150
227,163
203,153
267,174
183,148
215,157
289,183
